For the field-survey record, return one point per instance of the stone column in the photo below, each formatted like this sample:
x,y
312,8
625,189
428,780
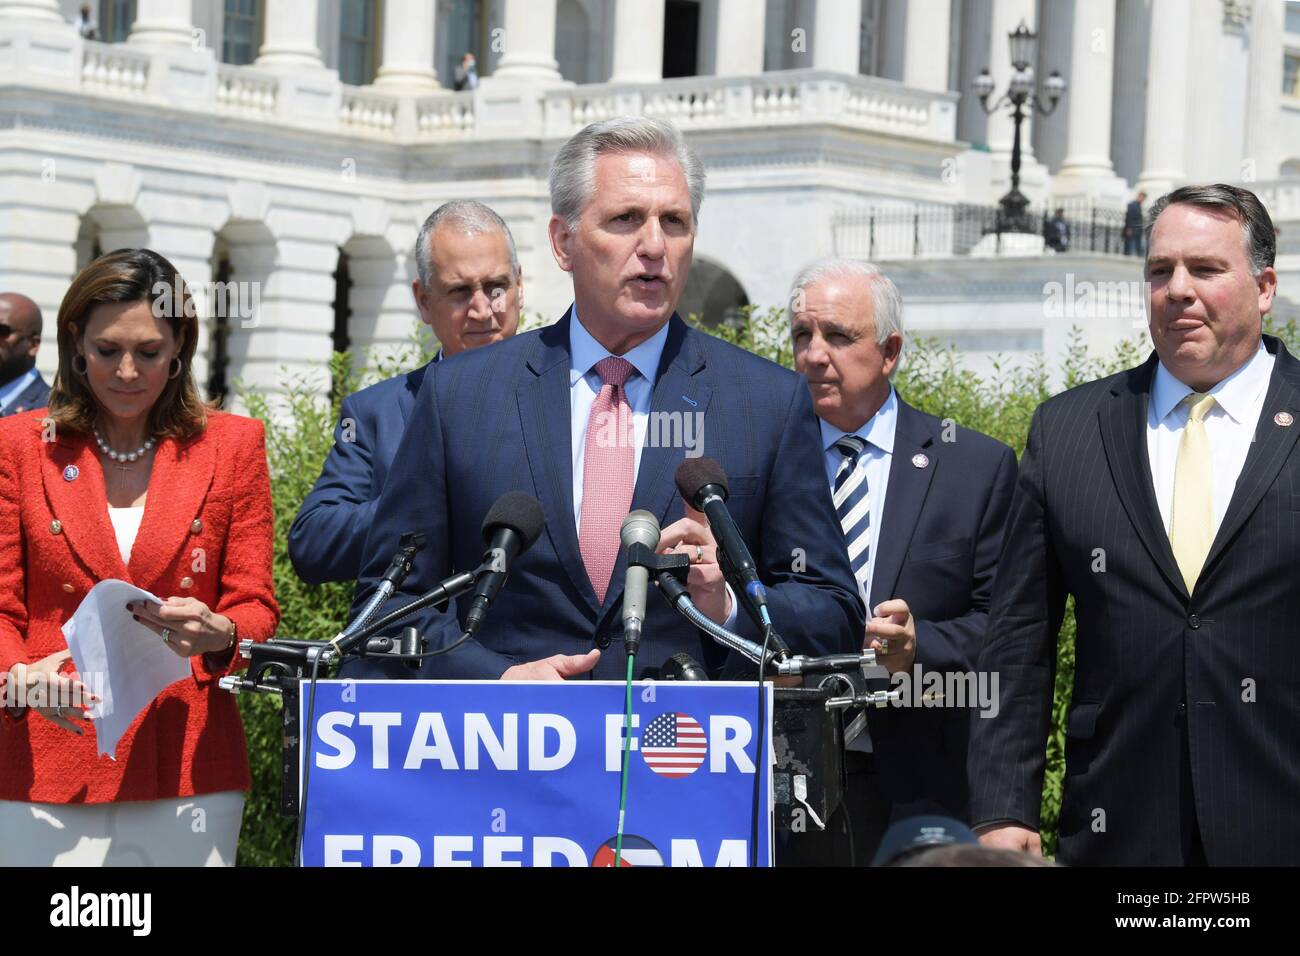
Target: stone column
x,y
741,30
186,236
1166,117
529,43
38,237
291,329
837,27
408,45
638,42
916,35
163,23
1087,104
384,315
1263,147
289,36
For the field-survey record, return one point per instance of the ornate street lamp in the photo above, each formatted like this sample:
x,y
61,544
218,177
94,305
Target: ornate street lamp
x,y
1013,215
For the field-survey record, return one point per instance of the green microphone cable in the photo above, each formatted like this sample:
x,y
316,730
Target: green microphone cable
x,y
627,753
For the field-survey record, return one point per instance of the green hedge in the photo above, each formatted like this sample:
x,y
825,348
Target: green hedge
x,y
299,432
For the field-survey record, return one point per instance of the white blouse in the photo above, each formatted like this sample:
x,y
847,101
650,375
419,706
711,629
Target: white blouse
x,y
126,525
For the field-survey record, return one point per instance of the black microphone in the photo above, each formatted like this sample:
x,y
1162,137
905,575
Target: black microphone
x,y
639,527
703,483
681,666
512,524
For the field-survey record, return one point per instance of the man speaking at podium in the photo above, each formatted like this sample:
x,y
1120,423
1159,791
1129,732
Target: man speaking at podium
x,y
534,414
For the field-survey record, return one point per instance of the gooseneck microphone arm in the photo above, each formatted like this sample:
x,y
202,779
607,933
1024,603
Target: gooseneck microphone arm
x,y
446,592
409,545
669,572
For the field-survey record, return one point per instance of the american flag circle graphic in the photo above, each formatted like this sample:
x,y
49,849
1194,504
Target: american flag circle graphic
x,y
673,745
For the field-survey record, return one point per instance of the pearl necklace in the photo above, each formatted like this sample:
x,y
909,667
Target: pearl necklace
x,y
124,455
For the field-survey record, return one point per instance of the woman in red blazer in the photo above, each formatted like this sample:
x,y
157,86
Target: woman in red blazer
x,y
128,475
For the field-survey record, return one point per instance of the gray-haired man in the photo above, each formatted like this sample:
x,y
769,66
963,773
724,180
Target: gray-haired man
x,y
575,414
469,291
922,505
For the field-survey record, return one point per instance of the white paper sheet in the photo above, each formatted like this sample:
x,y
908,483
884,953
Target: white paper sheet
x,y
128,663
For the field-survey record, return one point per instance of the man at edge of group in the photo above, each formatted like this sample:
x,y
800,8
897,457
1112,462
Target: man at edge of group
x,y
1166,501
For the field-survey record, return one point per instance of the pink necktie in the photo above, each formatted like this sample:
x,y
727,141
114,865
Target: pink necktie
x,y
608,462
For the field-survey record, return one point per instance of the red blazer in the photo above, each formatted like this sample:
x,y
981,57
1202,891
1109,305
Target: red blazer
x,y
206,533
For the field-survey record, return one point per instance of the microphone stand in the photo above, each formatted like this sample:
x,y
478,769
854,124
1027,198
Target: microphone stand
x,y
277,666
669,572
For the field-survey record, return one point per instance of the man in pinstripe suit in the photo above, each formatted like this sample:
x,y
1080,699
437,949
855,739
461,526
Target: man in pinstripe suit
x,y
1166,500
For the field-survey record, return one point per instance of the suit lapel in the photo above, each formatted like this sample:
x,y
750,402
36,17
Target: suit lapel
x,y
1123,422
1268,452
904,498
678,390
546,416
80,504
178,485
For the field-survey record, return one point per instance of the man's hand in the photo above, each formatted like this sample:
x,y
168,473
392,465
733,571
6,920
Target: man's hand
x,y
691,536
893,622
555,667
1011,836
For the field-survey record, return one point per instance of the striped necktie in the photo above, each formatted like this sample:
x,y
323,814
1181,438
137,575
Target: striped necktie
x,y
853,505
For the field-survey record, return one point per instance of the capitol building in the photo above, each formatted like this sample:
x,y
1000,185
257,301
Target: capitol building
x,y
286,151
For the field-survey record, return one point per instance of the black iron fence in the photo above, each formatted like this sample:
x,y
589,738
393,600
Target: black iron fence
x,y
926,231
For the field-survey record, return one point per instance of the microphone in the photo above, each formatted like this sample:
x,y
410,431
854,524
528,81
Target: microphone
x,y
703,483
682,666
639,527
511,526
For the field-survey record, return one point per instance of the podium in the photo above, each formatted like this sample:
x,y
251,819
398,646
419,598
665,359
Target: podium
x,y
486,773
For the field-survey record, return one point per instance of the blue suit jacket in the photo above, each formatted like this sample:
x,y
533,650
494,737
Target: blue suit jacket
x,y
35,395
938,549
498,419
327,537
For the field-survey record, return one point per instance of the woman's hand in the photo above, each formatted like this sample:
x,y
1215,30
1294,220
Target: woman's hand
x,y
190,627
54,696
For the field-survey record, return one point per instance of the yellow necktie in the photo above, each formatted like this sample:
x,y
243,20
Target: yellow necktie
x,y
1192,527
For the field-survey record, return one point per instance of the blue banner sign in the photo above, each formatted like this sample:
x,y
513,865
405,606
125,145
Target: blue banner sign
x,y
491,773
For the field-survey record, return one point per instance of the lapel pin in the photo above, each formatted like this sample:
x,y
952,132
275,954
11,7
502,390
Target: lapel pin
x,y
1284,419
690,401
920,461
71,473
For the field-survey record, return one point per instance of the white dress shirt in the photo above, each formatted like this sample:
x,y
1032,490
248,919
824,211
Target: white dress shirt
x,y
1229,427
875,460
585,385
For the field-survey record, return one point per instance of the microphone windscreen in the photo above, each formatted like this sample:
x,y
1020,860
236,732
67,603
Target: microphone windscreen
x,y
694,473
518,511
640,527
682,666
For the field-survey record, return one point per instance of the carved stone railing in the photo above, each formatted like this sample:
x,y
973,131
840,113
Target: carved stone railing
x,y
316,100
243,90
794,96
447,115
366,112
115,68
